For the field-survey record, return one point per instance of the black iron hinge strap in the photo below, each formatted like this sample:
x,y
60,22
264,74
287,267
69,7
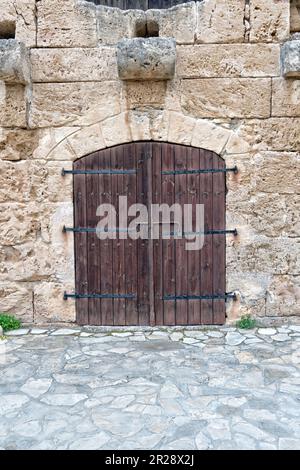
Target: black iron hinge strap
x,y
225,296
98,296
97,172
192,172
94,230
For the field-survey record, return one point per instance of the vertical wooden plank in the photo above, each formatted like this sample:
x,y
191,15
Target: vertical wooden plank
x,y
150,240
106,245
131,312
169,266
157,244
92,195
181,254
219,241
80,240
194,256
206,162
143,150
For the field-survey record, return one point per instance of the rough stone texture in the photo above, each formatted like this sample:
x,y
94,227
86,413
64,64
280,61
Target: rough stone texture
x,y
12,105
17,144
67,24
226,97
290,58
19,15
115,24
270,21
71,388
99,64
286,97
146,59
295,16
220,21
238,60
14,62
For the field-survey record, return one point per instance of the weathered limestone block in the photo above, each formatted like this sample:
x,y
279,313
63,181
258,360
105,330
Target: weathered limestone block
x,y
210,136
269,20
49,305
181,128
261,254
18,16
277,172
146,58
286,97
74,65
295,16
17,144
76,104
283,296
218,60
179,22
66,24
116,130
280,134
226,97
114,24
290,58
37,181
16,299
220,21
139,94
87,140
19,223
14,62
139,125
12,105
53,144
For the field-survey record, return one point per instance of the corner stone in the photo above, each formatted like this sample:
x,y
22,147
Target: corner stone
x,y
290,59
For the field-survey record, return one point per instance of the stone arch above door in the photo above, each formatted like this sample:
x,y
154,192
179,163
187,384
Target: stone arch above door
x,y
70,143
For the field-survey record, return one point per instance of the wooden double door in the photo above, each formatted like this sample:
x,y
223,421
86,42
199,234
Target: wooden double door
x,y
149,281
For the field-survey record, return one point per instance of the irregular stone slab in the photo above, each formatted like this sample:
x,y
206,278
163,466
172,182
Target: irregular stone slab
x,y
36,387
176,336
202,442
63,399
90,443
289,444
290,58
19,332
267,331
38,331
28,429
12,402
234,339
280,337
65,332
146,58
14,62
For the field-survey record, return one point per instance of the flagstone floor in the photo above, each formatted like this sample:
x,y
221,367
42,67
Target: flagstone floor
x,y
215,388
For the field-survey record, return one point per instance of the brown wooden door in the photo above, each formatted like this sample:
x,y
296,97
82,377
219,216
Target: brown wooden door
x,y
144,281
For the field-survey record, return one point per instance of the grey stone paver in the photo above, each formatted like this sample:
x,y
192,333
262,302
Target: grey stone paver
x,y
133,388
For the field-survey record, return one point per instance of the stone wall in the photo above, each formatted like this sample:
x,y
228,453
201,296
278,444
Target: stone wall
x,y
228,95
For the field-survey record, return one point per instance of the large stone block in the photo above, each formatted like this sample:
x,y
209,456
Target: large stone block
x,y
280,134
17,144
66,24
210,136
18,17
277,172
16,298
226,97
76,104
12,105
114,24
146,58
139,94
218,60
87,140
290,58
269,20
19,223
286,97
283,296
179,22
74,65
14,62
49,305
220,21
53,144
295,16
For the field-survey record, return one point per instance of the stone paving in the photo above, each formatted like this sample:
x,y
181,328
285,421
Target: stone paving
x,y
214,388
